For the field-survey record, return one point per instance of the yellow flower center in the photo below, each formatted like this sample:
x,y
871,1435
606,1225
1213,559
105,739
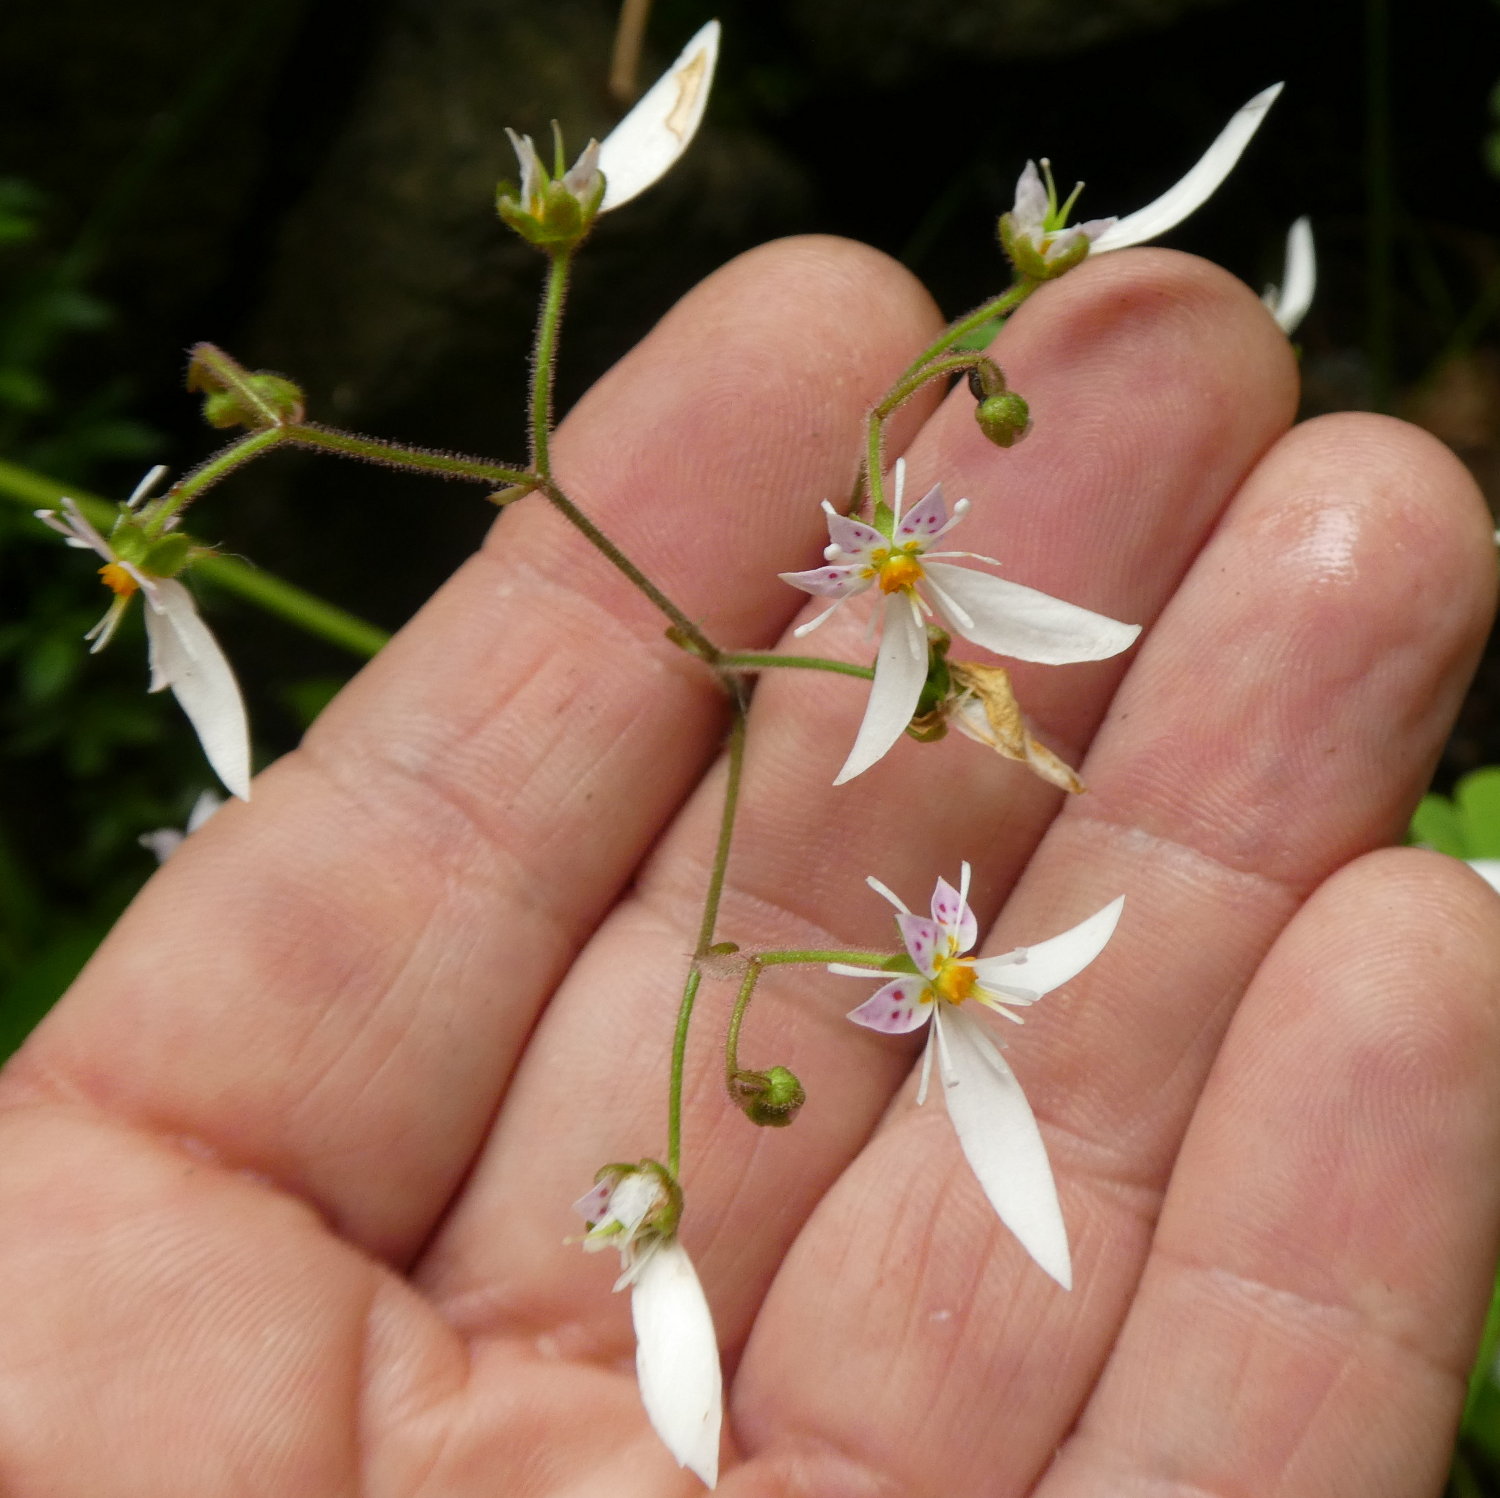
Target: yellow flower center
x,y
899,570
118,580
955,979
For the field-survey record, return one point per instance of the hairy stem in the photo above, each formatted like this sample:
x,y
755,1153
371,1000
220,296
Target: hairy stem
x,y
765,660
544,358
705,938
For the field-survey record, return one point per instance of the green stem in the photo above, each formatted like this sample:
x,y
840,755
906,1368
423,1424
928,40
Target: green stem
x,y
880,960
309,434
736,1019
692,636
757,965
544,359
880,511
762,660
208,473
904,389
263,589
705,938
914,375
999,306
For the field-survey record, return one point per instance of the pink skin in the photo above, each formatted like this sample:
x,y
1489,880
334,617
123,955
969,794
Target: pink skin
x,y
289,1169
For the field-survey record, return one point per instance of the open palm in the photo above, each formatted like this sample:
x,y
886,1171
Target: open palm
x,y
284,1182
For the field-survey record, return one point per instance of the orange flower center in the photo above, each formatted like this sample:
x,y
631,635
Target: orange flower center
x,y
118,580
899,571
955,979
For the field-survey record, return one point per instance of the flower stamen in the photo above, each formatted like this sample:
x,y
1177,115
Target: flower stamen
x,y
118,580
955,979
899,572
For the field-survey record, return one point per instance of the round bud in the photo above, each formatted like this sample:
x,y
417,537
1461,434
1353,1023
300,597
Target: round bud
x,y
1004,419
770,1098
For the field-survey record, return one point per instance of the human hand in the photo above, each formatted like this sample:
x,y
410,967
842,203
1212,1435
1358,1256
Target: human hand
x,y
284,1181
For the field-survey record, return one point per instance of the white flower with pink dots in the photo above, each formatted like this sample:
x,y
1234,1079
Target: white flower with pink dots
x,y
994,1123
1000,615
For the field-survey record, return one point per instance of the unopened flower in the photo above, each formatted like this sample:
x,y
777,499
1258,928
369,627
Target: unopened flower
x,y
558,207
1002,616
183,654
1042,244
165,841
1288,302
635,1209
995,1126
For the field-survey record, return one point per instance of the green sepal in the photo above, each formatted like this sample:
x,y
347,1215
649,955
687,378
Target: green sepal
x,y
127,539
168,555
563,220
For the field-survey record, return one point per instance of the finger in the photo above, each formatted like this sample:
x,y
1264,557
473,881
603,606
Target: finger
x,y
329,987
1307,1318
1279,720
802,848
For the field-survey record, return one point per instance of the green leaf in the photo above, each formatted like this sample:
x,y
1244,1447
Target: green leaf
x,y
1477,797
1436,823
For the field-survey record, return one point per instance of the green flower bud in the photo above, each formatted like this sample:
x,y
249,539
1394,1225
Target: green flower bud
x,y
551,209
236,397
769,1098
1020,245
1003,418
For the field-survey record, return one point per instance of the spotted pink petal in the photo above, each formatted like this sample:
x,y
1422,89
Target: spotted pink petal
x,y
592,1205
895,1009
925,941
852,537
926,519
951,911
832,581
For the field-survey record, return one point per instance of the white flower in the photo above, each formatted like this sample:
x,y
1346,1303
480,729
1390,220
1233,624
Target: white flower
x,y
165,841
1288,303
1002,616
183,654
994,1123
634,155
1036,229
676,1351
1488,869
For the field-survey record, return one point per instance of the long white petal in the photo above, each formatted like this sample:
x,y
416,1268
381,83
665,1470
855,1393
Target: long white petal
x,y
1289,302
1050,964
642,147
900,671
186,657
1000,1139
1200,184
677,1359
1027,625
